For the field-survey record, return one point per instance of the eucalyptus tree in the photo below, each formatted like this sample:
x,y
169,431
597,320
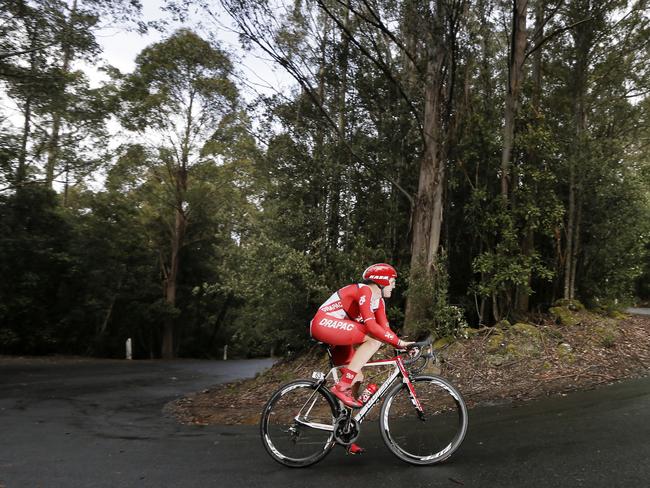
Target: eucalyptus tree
x,y
604,66
77,21
175,101
414,47
62,116
27,35
510,263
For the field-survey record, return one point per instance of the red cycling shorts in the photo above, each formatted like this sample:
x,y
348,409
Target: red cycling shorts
x,y
341,333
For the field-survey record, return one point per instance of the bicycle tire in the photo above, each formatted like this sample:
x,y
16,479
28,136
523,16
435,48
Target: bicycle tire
x,y
285,424
438,436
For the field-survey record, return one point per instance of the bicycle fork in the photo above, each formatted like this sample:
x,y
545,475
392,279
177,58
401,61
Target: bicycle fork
x,y
412,394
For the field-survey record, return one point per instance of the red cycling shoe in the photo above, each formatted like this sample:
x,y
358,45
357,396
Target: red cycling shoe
x,y
355,449
345,395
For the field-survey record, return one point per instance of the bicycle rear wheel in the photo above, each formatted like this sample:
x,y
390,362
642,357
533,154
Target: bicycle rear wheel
x,y
297,424
432,437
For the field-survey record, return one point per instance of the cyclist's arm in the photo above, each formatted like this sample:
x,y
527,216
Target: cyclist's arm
x,y
380,314
374,328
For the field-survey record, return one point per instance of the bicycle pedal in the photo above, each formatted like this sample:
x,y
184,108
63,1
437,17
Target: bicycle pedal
x,y
353,450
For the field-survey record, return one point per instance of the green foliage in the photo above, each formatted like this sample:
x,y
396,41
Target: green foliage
x,y
504,267
289,198
616,237
277,290
442,318
173,75
34,239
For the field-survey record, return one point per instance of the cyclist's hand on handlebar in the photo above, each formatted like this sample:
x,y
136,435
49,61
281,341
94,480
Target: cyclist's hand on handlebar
x,y
404,344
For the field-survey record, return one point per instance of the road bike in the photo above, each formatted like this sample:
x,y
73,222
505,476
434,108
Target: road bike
x,y
423,418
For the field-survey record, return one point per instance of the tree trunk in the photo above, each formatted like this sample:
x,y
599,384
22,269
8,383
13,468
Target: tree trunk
x,y
496,314
568,253
217,323
53,142
515,73
537,57
522,303
66,184
339,164
576,249
320,190
178,234
410,34
111,306
428,208
523,296
583,38
21,172
168,350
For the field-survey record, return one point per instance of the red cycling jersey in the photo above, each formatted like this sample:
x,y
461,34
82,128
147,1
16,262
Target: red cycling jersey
x,y
349,315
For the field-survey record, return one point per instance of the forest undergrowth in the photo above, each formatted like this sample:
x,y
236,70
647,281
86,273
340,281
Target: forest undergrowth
x,y
505,364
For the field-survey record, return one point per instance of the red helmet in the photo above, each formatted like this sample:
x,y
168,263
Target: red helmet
x,y
380,274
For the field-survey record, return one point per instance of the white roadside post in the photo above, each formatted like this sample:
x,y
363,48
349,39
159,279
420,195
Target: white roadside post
x,y
225,352
128,349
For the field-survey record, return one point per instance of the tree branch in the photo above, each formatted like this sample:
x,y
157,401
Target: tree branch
x,y
556,32
26,51
379,63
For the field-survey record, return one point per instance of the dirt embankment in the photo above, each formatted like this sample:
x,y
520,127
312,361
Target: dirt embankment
x,y
571,350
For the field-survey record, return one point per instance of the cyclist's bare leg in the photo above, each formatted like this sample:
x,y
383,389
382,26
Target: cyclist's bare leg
x,y
362,355
351,376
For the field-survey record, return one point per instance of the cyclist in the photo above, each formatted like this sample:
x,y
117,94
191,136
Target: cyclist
x,y
356,314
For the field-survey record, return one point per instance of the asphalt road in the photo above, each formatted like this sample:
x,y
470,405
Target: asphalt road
x,y
100,424
638,311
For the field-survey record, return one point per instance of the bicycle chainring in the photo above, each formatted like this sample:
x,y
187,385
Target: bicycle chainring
x,y
346,430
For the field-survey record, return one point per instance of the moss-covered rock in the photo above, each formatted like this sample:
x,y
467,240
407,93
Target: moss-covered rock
x,y
606,334
502,325
616,315
443,342
520,341
526,329
470,332
564,316
565,352
573,305
497,359
496,341
456,347
526,340
553,334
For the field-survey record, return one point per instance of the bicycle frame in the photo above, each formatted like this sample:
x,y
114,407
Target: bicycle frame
x,y
325,421
399,369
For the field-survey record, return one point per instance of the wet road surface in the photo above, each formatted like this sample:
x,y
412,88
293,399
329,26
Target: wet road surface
x,y
81,423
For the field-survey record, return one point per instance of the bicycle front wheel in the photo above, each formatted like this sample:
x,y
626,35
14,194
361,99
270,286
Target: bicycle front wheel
x,y
297,425
426,437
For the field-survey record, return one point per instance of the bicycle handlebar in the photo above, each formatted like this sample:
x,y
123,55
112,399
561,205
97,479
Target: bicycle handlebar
x,y
421,344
